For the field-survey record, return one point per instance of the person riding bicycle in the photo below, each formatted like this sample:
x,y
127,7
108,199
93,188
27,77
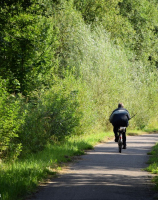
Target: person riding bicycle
x,y
118,118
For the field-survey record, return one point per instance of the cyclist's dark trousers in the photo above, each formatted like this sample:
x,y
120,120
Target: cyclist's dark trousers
x,y
116,134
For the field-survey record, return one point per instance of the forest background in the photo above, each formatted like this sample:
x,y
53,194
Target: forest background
x,y
66,64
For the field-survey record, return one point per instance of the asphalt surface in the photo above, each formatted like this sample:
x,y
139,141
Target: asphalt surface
x,y
105,174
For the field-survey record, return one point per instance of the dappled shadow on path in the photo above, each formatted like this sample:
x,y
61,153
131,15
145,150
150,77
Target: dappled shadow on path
x,y
97,187
105,174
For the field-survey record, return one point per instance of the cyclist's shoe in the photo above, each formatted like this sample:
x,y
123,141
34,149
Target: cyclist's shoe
x,y
124,147
116,139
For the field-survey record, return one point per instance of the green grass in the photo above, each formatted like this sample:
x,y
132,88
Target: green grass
x,y
22,177
153,164
151,130
135,132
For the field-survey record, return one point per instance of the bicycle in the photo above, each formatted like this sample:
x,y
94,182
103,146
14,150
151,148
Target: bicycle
x,y
121,130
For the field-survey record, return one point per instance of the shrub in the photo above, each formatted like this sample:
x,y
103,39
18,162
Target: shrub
x,y
11,119
55,116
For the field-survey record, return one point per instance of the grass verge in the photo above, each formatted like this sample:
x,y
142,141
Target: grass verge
x,y
153,164
136,132
22,177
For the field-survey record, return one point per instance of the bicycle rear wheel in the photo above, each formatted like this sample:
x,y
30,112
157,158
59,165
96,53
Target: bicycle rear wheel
x,y
120,143
120,147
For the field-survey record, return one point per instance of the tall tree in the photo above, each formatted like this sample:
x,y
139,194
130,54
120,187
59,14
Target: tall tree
x,y
28,39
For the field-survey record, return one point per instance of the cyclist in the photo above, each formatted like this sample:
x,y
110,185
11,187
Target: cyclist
x,y
118,118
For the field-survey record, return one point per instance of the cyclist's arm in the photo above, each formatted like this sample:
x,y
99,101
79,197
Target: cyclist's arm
x,y
111,117
128,116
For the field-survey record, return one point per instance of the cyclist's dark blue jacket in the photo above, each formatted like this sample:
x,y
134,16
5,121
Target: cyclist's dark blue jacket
x,y
120,117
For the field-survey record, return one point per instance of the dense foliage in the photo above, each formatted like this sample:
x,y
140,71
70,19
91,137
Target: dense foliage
x,y
65,65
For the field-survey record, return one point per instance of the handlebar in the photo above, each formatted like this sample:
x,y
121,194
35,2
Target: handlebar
x,y
133,116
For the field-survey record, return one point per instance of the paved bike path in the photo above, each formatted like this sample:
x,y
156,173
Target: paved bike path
x,y
105,174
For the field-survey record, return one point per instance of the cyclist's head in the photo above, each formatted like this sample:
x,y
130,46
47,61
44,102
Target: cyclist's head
x,y
120,105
